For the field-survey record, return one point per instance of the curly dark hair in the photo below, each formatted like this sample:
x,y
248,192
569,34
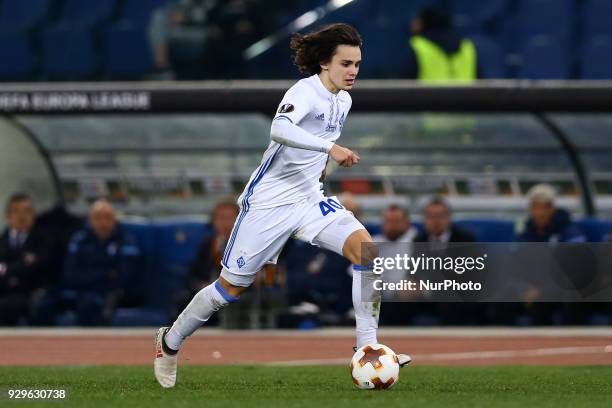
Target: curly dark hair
x,y
315,48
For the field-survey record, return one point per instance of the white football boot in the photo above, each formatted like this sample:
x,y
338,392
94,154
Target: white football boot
x,y
403,359
164,364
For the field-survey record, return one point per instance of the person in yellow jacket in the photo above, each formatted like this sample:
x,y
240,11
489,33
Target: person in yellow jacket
x,y
437,52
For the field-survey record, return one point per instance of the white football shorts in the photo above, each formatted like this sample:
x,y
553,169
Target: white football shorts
x,y
259,235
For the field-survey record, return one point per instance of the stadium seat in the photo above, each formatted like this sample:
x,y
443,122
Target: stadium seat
x,y
544,58
489,230
87,13
136,316
145,236
19,60
470,16
23,15
490,57
376,61
139,12
597,59
69,54
552,18
176,248
128,52
373,228
595,230
597,18
398,12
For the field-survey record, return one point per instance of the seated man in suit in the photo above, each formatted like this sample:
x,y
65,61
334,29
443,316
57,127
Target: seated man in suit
x,y
439,232
437,219
24,258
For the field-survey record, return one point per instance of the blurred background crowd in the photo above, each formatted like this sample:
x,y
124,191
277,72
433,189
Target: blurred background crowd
x,y
59,269
212,39
118,219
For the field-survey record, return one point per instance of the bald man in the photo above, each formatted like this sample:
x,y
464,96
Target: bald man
x,y
100,271
103,219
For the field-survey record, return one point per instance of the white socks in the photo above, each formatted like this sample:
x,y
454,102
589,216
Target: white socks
x,y
366,312
203,305
213,297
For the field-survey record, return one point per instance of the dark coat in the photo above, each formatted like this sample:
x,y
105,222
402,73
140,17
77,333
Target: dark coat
x,y
27,265
101,266
560,229
457,235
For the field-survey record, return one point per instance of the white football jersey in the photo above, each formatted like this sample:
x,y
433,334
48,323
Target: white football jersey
x,y
288,174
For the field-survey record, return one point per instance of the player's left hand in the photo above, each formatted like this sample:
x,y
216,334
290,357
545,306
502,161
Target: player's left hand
x,y
343,156
351,160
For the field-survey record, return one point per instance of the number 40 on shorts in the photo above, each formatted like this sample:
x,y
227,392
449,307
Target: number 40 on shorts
x,y
329,206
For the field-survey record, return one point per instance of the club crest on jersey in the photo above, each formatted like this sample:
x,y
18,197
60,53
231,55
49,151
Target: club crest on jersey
x,y
241,262
320,117
286,108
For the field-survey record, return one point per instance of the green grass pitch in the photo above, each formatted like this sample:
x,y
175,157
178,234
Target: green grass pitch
x,y
315,387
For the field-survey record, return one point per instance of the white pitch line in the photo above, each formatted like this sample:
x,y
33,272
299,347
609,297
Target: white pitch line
x,y
470,355
324,332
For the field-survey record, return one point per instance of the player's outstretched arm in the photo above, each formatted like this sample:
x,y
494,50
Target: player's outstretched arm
x,y
288,134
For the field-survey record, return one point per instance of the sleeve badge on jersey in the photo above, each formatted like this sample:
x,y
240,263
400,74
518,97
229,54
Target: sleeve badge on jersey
x,y
286,108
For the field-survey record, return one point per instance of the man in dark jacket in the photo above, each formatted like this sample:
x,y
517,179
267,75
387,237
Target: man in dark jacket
x,y
439,232
101,268
546,222
24,256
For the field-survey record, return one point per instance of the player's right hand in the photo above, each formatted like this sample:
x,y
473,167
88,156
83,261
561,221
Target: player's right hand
x,y
343,156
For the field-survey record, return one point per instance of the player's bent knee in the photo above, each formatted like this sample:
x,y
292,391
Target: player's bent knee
x,y
232,289
359,248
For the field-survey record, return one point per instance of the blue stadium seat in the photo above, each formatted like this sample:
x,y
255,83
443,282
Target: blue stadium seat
x,y
140,316
17,56
469,16
597,18
69,54
176,248
400,12
139,12
595,230
597,58
178,241
489,230
128,52
490,57
377,62
546,17
87,13
544,58
373,228
145,236
23,15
